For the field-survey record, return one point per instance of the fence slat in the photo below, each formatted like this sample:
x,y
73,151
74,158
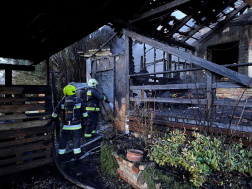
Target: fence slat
x,y
26,140
26,124
25,166
25,148
25,157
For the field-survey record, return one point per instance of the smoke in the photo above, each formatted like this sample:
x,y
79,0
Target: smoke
x,y
118,46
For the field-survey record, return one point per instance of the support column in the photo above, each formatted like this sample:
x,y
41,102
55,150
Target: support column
x,y
129,68
47,71
209,107
54,103
169,64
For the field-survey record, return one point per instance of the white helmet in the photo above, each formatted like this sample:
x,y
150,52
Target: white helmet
x,y
92,82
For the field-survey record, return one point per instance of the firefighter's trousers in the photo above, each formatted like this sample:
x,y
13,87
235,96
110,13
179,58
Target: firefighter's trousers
x,y
76,140
91,123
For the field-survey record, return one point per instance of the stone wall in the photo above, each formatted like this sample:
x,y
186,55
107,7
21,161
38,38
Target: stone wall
x,y
241,34
131,173
233,93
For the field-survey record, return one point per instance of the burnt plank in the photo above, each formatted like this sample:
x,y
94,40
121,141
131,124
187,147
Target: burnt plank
x,y
165,7
187,18
27,99
25,132
25,116
170,100
25,166
24,107
221,24
25,140
170,86
215,130
17,67
238,77
26,148
47,153
29,89
208,20
21,125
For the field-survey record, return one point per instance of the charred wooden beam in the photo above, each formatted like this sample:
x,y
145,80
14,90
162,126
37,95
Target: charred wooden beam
x,y
160,9
188,69
169,100
208,20
187,18
225,85
24,166
28,89
170,86
238,77
16,67
221,24
156,35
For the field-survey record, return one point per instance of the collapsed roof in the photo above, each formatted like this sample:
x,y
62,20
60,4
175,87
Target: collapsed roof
x,y
35,30
182,22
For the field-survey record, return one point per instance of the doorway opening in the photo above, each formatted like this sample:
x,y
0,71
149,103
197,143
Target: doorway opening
x,y
226,53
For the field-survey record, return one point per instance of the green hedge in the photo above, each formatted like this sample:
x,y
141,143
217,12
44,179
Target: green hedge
x,y
108,162
200,157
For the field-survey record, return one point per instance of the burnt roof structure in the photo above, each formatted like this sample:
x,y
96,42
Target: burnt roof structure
x,y
36,30
182,22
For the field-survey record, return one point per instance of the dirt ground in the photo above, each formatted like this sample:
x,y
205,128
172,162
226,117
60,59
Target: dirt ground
x,y
87,171
48,177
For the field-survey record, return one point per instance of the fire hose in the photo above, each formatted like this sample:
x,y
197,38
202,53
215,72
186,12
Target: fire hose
x,y
74,181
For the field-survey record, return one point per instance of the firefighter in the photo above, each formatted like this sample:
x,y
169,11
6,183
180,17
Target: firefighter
x,y
93,98
73,110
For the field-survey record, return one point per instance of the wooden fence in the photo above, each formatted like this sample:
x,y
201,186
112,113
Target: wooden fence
x,y
151,89
25,128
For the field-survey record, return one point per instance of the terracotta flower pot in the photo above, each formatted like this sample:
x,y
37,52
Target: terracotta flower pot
x,y
134,155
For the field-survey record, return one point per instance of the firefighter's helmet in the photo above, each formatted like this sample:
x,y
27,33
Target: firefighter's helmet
x,y
69,90
92,82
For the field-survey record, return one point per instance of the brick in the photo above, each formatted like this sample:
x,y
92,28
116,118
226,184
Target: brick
x,y
119,171
124,162
135,169
123,178
142,167
116,156
130,164
135,186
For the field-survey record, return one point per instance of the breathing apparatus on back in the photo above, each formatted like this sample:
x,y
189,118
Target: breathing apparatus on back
x,y
70,100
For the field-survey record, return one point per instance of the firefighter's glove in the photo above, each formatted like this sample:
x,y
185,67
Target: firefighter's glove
x,y
107,101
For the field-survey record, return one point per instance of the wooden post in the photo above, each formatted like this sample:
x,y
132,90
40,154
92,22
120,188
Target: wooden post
x,y
141,64
8,77
164,65
47,71
155,65
54,102
209,80
169,64
128,53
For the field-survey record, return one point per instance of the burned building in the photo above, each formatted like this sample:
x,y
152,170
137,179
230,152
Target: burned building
x,y
189,65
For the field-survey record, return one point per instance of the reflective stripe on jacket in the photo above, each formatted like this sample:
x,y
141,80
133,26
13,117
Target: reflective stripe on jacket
x,y
79,112
94,97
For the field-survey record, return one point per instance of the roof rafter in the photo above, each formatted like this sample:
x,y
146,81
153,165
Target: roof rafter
x,y
156,35
208,20
187,18
160,9
221,24
238,77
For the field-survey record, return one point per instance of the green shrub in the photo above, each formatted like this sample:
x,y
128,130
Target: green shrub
x,y
108,162
201,156
153,175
